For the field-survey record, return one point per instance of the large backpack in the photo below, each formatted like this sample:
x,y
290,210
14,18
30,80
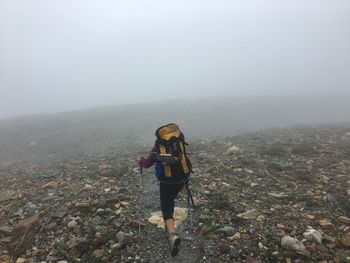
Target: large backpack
x,y
171,146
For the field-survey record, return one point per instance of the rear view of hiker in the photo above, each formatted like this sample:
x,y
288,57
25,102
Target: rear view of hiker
x,y
172,168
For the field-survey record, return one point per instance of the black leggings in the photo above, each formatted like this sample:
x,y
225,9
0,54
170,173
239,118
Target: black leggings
x,y
168,193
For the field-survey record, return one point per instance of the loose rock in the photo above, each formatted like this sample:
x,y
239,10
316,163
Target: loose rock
x,y
345,240
313,235
250,214
290,243
227,231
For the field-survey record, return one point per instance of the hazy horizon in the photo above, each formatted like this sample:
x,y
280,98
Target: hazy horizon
x,y
64,56
318,100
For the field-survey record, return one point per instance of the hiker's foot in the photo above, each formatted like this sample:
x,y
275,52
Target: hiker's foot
x,y
174,244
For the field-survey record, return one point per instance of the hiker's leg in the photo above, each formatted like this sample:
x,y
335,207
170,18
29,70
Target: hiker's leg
x,y
167,196
165,204
171,193
170,225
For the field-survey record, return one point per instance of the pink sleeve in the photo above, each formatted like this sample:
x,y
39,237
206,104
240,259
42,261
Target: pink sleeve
x,y
148,162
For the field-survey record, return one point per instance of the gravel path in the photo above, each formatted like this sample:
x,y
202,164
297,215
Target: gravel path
x,y
155,238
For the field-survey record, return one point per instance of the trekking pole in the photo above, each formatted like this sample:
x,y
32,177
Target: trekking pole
x,y
140,184
189,196
189,202
140,191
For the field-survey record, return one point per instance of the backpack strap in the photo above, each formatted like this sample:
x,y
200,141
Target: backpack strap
x,y
167,168
185,167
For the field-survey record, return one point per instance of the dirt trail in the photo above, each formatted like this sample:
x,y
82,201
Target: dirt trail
x,y
154,238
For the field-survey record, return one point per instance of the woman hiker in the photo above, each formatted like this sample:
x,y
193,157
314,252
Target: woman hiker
x,y
172,168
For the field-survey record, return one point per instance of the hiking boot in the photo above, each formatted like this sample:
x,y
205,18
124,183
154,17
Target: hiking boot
x,y
174,244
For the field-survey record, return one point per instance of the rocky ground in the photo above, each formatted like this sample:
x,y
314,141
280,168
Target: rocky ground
x,y
271,196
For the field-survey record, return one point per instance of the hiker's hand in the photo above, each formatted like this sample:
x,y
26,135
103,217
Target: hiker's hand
x,y
142,159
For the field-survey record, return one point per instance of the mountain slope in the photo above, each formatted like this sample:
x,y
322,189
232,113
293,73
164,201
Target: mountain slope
x,y
122,128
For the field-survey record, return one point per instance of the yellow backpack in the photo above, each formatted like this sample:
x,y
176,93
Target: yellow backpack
x,y
171,147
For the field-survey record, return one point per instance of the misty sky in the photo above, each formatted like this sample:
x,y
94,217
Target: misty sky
x,y
63,55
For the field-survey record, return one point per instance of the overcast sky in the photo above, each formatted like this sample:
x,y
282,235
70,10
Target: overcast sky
x,y
63,55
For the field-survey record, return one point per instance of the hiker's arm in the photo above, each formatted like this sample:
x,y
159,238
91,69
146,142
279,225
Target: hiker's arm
x,y
149,161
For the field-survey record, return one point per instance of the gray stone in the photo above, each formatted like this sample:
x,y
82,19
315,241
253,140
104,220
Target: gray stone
x,y
344,219
102,203
7,230
123,239
50,226
31,260
6,240
96,220
227,231
203,217
75,241
234,252
331,198
72,224
120,236
110,219
293,244
224,249
250,214
59,214
100,211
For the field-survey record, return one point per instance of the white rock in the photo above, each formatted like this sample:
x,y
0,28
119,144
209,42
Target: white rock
x,y
249,171
72,224
313,235
262,247
114,246
88,187
103,166
260,218
233,150
50,185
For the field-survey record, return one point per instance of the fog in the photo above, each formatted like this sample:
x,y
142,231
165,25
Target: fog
x,y
65,55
